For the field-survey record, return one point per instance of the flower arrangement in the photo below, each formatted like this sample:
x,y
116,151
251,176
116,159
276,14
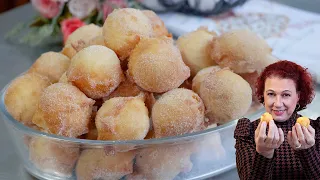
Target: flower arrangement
x,y
57,19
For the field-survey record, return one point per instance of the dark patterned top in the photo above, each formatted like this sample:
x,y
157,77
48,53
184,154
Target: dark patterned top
x,y
286,162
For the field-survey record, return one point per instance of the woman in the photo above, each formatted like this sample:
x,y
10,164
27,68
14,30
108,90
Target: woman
x,y
281,149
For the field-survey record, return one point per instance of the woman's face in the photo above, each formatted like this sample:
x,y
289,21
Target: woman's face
x,y
280,98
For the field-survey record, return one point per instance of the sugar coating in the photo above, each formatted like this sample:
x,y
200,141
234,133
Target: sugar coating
x,y
95,164
51,64
84,33
241,50
226,96
53,157
194,47
124,28
178,112
126,88
123,118
63,110
156,65
201,76
23,94
158,26
163,162
96,71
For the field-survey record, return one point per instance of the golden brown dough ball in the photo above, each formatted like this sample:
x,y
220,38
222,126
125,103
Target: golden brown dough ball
x,y
156,65
123,118
226,96
124,28
164,162
303,121
68,51
23,94
242,51
84,33
95,164
63,110
53,157
201,76
178,112
126,88
195,48
251,78
51,64
159,29
96,71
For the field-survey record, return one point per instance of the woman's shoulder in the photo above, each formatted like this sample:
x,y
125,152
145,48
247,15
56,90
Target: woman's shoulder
x,y
245,127
315,123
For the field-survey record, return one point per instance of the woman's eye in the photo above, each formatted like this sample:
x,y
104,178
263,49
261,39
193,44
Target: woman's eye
x,y
270,94
286,95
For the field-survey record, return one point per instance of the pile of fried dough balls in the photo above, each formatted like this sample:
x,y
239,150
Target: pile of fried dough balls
x,y
129,80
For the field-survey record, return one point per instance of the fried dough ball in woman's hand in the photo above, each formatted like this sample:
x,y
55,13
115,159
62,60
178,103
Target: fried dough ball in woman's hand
x,y
267,117
52,156
177,112
201,76
226,96
159,29
95,164
63,110
23,95
164,162
52,65
242,51
303,121
124,28
156,65
123,118
194,47
96,71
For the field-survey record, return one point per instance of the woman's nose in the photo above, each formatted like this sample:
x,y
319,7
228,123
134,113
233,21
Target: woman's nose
x,y
278,102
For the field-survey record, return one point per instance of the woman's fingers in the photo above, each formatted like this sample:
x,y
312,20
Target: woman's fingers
x,y
300,135
295,140
281,137
262,132
311,130
270,136
309,139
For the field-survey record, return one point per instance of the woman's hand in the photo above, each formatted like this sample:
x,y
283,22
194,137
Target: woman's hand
x,y
301,137
267,143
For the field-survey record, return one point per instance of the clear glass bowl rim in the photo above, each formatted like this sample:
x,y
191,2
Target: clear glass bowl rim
x,y
172,139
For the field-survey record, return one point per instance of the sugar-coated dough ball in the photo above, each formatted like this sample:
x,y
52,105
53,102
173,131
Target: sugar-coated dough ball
x,y
178,112
64,78
242,51
156,65
23,94
267,117
303,121
84,33
126,88
226,96
95,164
53,157
51,64
159,29
96,71
195,48
202,75
63,110
69,51
124,28
123,118
162,162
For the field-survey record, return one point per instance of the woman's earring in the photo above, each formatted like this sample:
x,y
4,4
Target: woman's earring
x,y
297,107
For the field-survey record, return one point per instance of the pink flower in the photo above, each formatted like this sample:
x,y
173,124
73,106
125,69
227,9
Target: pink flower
x,y
82,8
48,8
70,25
109,5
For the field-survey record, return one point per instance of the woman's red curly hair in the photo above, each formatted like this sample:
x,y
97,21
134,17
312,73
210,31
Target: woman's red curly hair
x,y
288,70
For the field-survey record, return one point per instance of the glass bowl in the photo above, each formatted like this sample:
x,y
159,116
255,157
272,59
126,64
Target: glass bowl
x,y
196,155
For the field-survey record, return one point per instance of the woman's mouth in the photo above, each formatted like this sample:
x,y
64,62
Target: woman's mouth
x,y
278,112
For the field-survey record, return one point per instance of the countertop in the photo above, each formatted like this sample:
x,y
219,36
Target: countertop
x,y
15,59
